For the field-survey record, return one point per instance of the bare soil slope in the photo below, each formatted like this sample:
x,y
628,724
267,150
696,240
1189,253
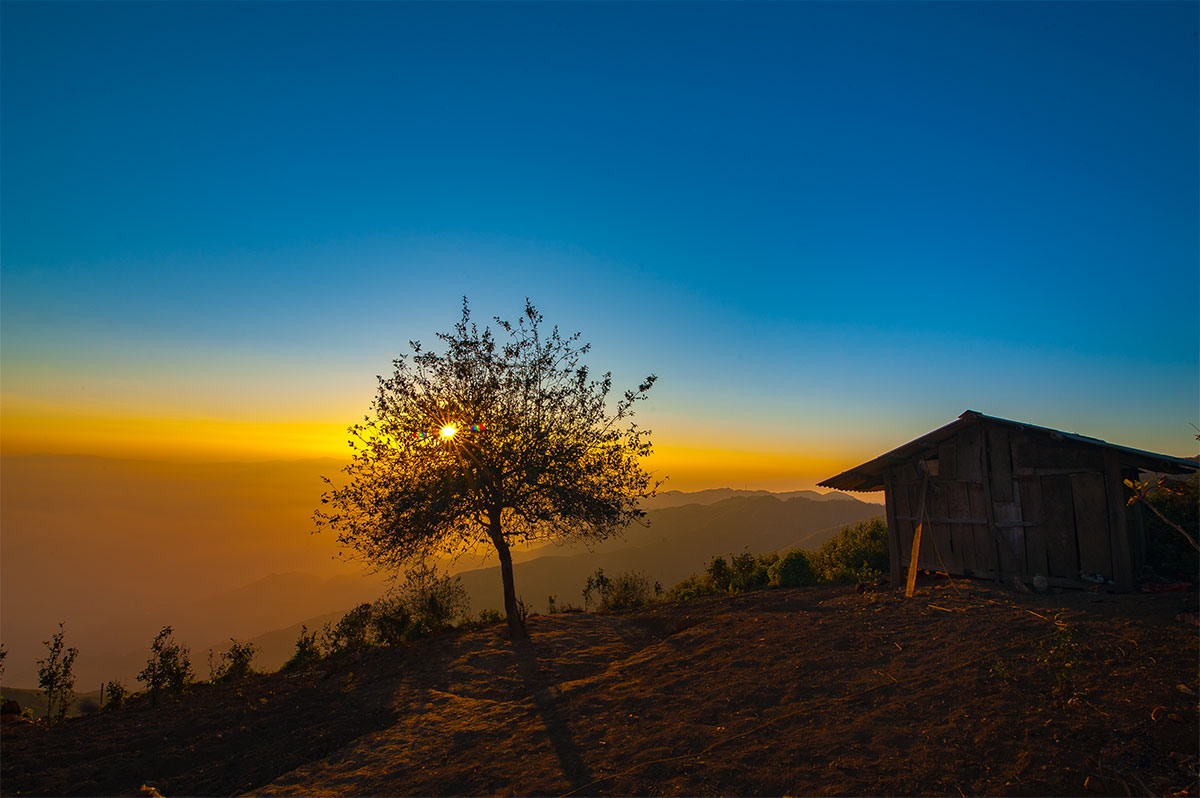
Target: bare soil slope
x,y
965,689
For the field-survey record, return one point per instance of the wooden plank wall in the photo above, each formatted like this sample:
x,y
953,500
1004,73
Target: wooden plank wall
x,y
1002,501
957,537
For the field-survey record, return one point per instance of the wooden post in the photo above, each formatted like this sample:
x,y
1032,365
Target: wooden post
x,y
1118,529
911,585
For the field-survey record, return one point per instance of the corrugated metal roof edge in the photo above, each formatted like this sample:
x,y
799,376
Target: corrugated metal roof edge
x,y
855,478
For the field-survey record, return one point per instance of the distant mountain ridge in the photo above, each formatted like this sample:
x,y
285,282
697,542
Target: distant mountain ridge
x,y
677,498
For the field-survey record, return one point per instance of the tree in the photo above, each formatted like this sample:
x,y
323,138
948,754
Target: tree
x,y
55,676
501,438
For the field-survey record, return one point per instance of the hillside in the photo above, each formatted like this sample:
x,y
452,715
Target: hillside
x,y
678,542
965,689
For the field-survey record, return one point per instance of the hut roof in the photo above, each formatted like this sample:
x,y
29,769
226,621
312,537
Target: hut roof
x,y
870,475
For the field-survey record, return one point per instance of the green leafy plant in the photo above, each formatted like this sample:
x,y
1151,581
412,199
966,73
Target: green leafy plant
x,y
169,668
858,553
625,591
747,572
352,632
793,569
235,662
719,574
113,695
693,587
307,651
433,599
55,676
391,621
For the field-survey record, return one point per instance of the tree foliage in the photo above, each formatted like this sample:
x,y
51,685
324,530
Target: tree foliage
x,y
857,553
55,676
531,451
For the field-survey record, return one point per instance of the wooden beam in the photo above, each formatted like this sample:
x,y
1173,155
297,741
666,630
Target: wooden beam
x,y
910,586
954,519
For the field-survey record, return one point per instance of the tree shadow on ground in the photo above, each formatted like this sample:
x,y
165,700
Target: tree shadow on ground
x,y
570,756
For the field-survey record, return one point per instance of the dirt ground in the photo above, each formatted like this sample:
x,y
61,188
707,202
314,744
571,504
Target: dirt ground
x,y
964,689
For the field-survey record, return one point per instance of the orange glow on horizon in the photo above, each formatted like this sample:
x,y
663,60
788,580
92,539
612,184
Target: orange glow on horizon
x,y
29,429
33,429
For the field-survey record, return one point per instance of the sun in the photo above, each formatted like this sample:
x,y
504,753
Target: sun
x,y
448,431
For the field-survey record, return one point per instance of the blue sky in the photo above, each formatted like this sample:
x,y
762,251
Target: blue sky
x,y
826,226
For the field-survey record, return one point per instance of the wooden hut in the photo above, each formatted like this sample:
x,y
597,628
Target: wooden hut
x,y
1001,499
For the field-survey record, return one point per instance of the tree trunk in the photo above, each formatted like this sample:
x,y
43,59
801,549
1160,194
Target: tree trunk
x,y
516,626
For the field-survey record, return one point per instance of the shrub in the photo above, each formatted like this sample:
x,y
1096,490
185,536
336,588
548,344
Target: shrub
x,y
746,572
793,569
236,662
693,587
719,574
307,651
351,633
114,695
625,591
428,601
855,554
391,621
55,676
169,667
433,599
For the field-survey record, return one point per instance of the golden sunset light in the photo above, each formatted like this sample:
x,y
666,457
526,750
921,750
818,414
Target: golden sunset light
x,y
599,399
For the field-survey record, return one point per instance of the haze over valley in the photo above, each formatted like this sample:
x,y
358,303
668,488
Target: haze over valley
x,y
117,549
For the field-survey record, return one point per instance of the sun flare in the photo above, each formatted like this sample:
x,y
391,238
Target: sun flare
x,y
448,431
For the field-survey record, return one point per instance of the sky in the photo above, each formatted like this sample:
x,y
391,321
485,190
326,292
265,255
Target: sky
x,y
826,227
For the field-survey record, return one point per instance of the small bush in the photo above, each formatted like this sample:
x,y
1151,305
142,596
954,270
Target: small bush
x,y
793,569
857,553
391,621
55,676
719,574
351,633
433,599
115,695
746,573
307,651
235,663
625,591
693,587
169,668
